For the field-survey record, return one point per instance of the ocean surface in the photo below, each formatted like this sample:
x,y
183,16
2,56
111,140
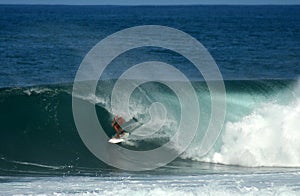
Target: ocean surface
x,y
256,48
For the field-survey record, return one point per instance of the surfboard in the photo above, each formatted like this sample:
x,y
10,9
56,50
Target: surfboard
x,y
122,138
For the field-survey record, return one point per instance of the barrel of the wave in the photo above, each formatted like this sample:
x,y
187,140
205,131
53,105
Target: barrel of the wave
x,y
152,72
91,68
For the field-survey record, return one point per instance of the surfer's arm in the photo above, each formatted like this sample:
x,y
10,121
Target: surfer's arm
x,y
114,121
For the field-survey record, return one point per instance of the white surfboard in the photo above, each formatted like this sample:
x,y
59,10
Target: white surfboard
x,y
122,138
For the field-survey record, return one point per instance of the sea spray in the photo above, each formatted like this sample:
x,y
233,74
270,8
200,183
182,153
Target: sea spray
x,y
268,136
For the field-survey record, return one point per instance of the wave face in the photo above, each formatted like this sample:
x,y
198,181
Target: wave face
x,y
261,127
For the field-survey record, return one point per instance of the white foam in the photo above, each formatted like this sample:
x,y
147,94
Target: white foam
x,y
36,90
173,185
269,136
92,98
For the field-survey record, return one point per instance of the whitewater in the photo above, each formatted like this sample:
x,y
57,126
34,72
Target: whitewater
x,y
266,137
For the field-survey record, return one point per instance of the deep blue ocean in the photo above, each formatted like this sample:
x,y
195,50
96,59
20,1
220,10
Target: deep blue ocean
x,y
256,48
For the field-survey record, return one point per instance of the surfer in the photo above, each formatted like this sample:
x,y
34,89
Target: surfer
x,y
116,123
123,128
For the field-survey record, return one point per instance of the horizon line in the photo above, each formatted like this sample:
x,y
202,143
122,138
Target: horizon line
x,y
203,4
